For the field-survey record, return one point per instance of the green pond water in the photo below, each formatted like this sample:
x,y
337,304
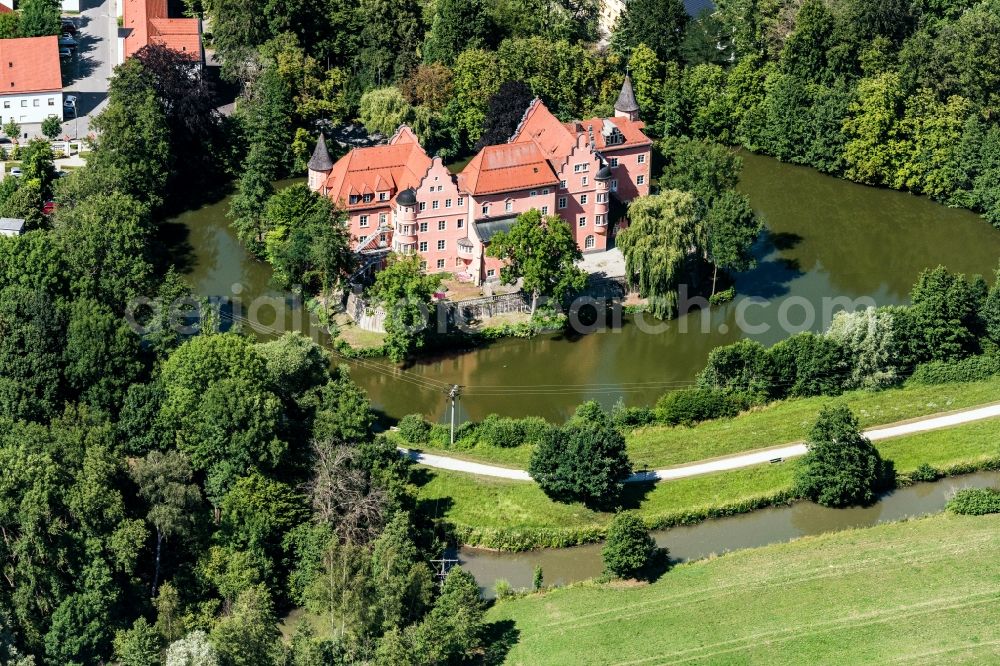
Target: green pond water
x,y
826,239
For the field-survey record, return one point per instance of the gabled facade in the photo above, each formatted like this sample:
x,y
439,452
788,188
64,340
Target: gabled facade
x,y
30,80
396,197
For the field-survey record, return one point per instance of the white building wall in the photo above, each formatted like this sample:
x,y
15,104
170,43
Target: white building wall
x,y
67,5
29,108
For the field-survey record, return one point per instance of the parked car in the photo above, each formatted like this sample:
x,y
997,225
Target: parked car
x,y
65,53
16,172
49,207
67,42
69,106
68,26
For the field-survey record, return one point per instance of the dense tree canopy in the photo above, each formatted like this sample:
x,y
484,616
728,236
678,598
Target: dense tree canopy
x,y
842,468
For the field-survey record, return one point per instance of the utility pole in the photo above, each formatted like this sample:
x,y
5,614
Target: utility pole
x,y
453,393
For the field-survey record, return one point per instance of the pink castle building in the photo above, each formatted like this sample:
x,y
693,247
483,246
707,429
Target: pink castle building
x,y
397,197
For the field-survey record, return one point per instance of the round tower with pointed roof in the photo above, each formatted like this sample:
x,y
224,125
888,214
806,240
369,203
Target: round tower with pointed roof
x,y
320,165
626,106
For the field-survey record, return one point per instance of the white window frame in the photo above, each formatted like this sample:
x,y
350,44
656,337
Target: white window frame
x,y
442,245
423,227
613,162
422,246
442,225
589,243
640,179
581,221
363,220
642,158
561,203
440,264
583,199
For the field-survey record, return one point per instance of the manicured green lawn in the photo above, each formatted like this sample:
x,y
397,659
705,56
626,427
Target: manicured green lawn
x,y
515,514
924,591
778,423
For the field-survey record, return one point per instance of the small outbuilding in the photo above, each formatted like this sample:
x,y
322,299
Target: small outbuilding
x,y
11,226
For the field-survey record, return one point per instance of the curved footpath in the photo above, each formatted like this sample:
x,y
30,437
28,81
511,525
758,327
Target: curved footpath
x,y
749,459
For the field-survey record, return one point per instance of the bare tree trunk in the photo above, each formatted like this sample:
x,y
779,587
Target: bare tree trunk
x,y
156,569
715,277
534,302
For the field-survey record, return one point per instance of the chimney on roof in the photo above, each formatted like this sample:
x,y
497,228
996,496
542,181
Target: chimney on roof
x,y
320,164
626,106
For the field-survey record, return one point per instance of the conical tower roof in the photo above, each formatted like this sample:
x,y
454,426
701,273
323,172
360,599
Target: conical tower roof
x,y
626,98
320,160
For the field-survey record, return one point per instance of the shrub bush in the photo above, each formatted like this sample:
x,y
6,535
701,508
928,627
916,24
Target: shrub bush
x,y
690,406
975,501
506,432
414,429
629,548
807,365
741,367
925,473
972,369
627,418
503,589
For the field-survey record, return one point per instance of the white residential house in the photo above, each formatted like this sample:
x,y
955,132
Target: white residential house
x,y
11,226
30,80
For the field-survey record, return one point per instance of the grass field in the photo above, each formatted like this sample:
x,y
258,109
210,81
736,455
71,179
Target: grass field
x,y
778,423
517,515
920,592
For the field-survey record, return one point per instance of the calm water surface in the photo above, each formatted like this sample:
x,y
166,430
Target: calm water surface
x,y
825,238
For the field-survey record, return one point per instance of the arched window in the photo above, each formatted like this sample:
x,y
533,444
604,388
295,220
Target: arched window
x,y
589,242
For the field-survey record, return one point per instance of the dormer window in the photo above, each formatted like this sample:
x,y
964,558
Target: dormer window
x,y
383,196
353,199
368,198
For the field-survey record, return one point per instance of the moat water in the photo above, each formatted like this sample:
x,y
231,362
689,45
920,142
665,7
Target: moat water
x,y
825,239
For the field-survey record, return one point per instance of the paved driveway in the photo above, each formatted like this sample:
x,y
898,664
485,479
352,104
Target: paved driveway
x,y
86,75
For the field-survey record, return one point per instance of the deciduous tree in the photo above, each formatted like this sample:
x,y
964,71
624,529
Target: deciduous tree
x,y
542,253
842,468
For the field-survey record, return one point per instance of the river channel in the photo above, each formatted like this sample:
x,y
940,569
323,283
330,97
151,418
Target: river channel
x,y
713,537
825,239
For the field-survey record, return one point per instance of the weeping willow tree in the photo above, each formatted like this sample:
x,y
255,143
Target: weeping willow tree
x,y
663,230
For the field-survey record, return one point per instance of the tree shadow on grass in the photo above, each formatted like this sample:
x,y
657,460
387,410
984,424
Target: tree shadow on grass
x,y
635,494
499,637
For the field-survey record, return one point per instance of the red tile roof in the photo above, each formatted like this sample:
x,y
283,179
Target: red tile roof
x,y
543,129
4,9
506,168
631,132
150,24
391,168
557,140
29,64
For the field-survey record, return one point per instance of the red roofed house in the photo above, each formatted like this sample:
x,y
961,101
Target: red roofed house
x,y
147,22
397,197
30,81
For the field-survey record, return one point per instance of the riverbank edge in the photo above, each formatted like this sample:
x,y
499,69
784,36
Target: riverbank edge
x,y
528,539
